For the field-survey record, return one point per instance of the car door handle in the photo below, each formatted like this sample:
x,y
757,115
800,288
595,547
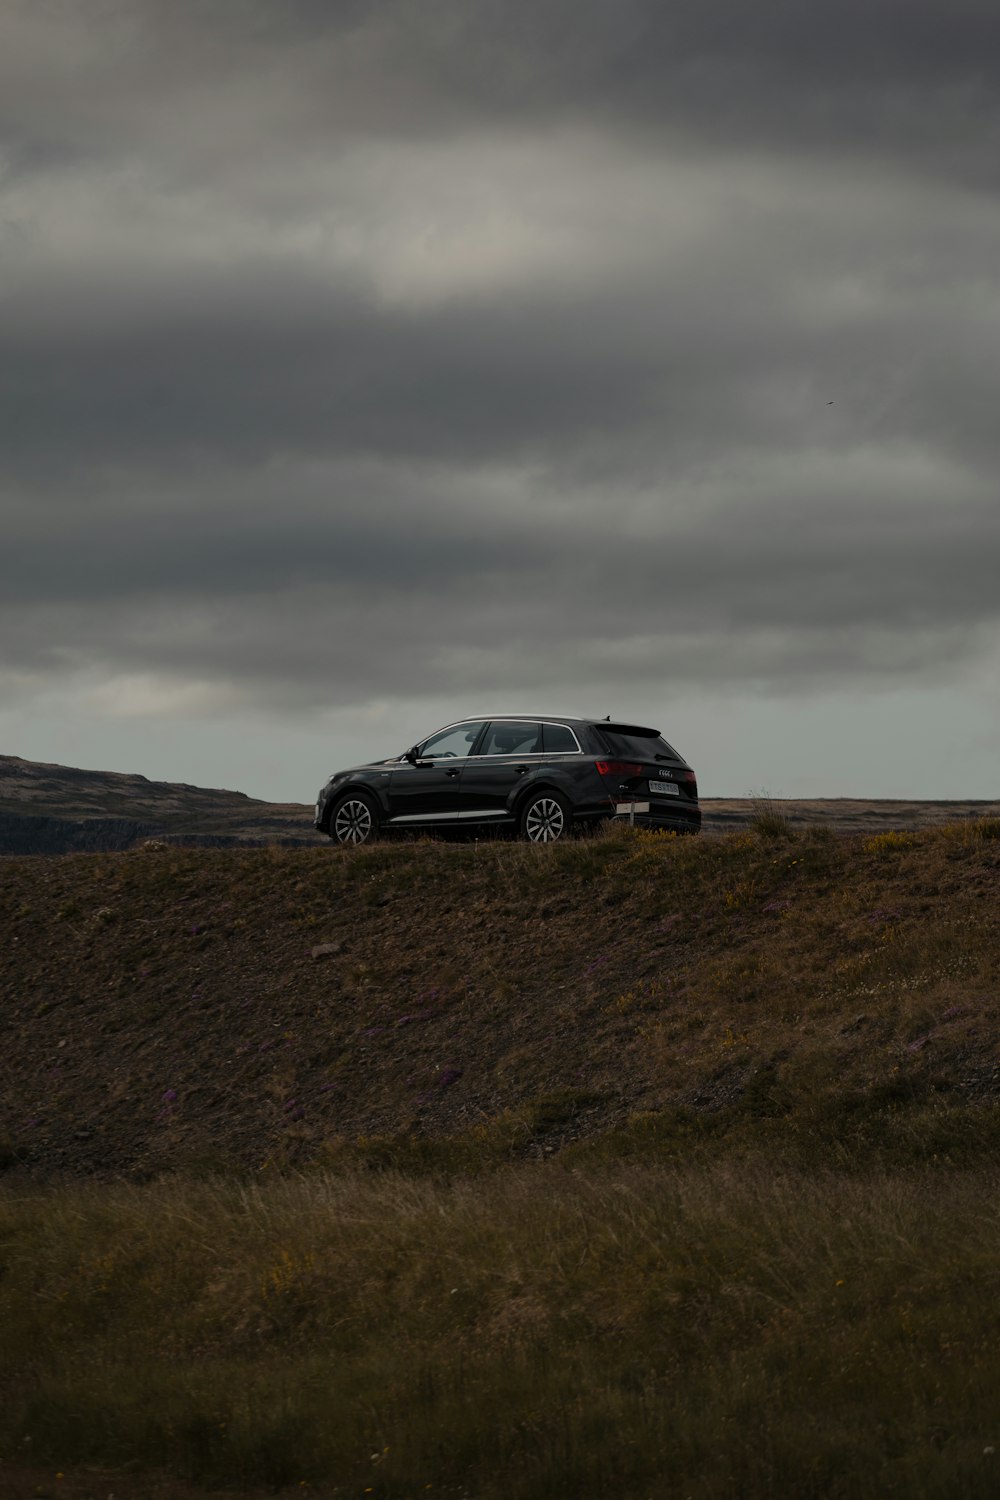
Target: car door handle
x,y
452,773
520,770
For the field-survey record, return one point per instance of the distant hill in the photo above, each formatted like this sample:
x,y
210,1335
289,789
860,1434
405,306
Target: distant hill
x,y
50,809
842,814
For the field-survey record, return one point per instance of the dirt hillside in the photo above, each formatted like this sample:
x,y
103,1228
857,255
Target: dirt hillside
x,y
171,1008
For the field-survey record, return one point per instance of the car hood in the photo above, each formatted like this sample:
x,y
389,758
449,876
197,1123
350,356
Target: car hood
x,y
366,765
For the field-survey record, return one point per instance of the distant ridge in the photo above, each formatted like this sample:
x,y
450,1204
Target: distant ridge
x,y
53,809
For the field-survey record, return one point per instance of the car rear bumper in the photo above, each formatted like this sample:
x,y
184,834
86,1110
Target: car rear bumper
x,y
675,819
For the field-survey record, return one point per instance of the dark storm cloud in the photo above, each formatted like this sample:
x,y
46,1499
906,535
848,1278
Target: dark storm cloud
x,y
251,360
913,75
464,595
383,340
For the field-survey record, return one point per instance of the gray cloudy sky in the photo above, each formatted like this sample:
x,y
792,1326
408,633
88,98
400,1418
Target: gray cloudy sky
x,y
366,363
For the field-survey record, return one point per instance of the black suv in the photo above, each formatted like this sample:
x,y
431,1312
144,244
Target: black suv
x,y
536,775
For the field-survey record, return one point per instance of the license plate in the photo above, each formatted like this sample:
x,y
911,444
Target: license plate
x,y
669,788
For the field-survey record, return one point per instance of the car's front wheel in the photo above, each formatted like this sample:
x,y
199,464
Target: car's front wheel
x,y
354,820
545,817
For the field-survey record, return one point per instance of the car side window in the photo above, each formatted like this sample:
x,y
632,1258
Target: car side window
x,y
452,743
512,737
558,738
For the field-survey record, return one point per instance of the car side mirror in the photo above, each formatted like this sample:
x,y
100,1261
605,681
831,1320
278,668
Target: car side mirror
x,y
411,755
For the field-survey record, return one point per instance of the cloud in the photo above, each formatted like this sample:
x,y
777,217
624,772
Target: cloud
x,y
223,86
360,350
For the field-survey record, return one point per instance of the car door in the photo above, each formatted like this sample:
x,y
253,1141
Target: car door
x,y
425,788
506,753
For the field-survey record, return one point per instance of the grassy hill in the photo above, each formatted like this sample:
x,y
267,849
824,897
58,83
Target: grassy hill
x,y
174,1007
631,1166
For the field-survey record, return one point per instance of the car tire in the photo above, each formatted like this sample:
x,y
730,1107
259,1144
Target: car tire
x,y
545,817
353,820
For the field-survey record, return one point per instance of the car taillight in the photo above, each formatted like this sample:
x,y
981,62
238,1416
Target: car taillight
x,y
618,768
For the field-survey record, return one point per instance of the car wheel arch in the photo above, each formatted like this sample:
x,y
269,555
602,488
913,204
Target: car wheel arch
x,y
533,788
545,814
354,818
354,788
526,789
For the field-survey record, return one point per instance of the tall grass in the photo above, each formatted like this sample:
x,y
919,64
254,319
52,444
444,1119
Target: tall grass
x,y
725,1331
766,819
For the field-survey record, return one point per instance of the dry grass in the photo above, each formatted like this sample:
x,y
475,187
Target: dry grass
x,y
480,1003
679,1168
767,819
727,1330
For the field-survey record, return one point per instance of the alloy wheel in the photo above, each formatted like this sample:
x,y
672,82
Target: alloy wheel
x,y
353,822
545,821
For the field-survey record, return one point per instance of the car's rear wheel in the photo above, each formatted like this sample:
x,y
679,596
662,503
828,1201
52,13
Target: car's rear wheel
x,y
354,820
545,817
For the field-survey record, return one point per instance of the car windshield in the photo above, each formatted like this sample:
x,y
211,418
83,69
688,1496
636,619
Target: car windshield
x,y
630,742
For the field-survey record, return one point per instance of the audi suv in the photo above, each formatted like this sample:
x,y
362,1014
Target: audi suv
x,y
536,776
